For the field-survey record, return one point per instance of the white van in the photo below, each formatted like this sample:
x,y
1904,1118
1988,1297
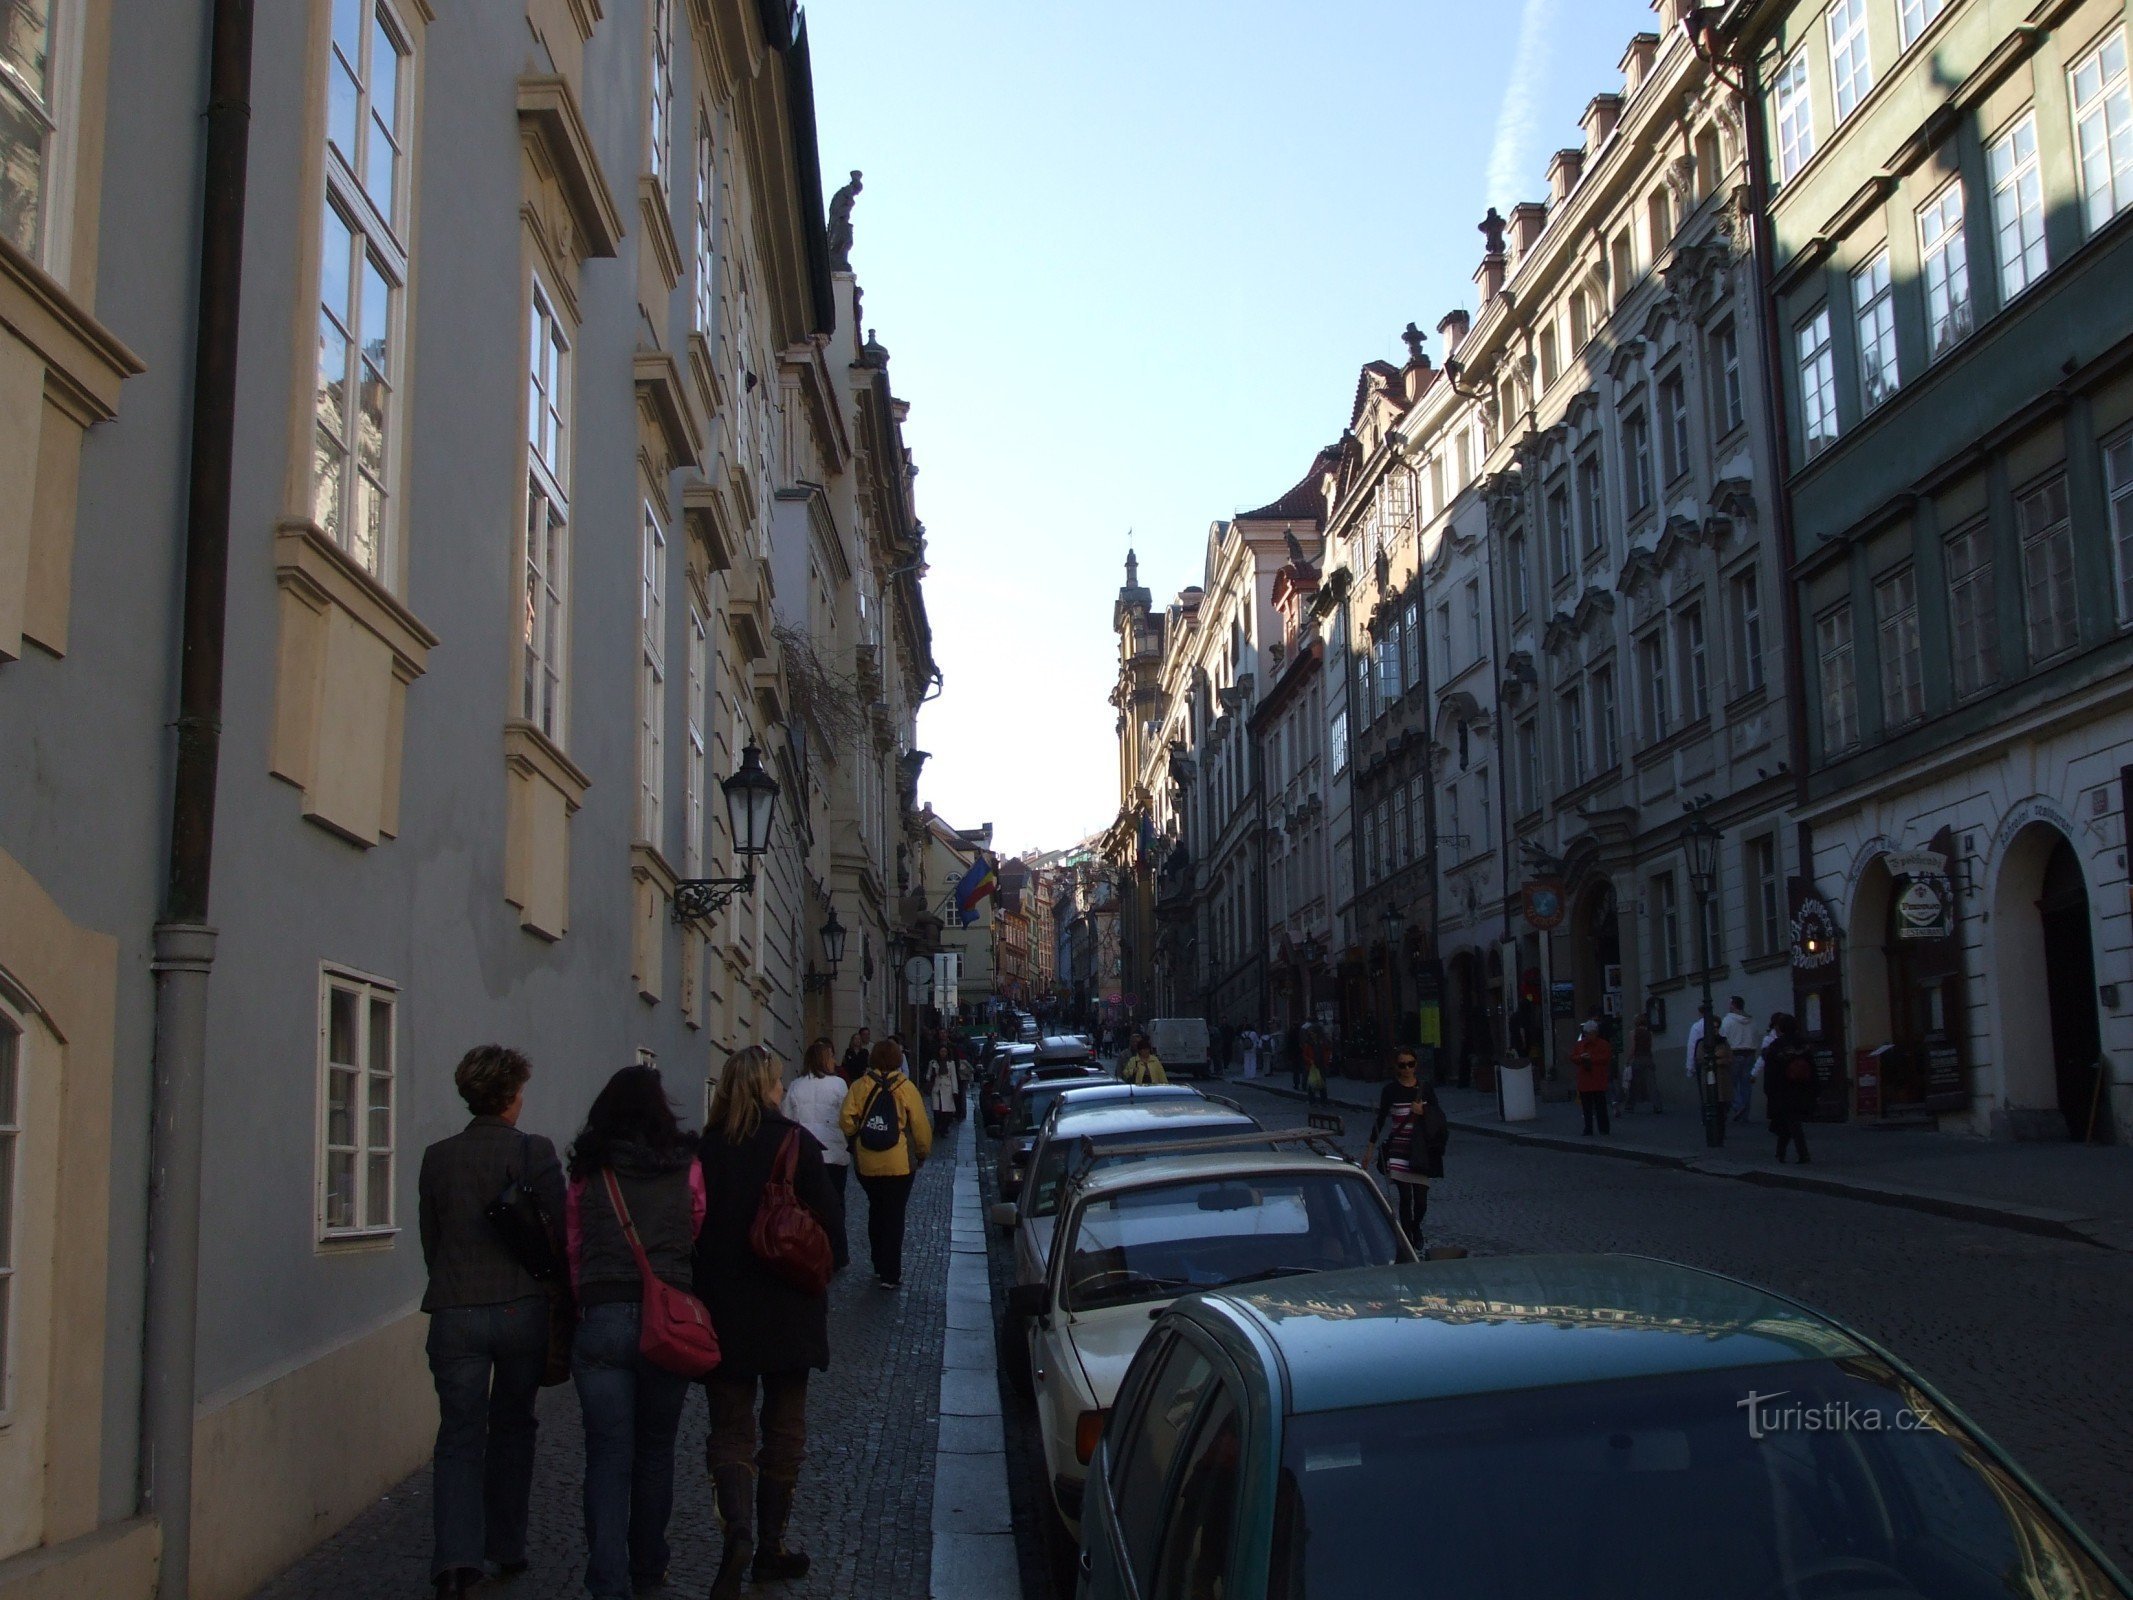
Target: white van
x,y
1181,1045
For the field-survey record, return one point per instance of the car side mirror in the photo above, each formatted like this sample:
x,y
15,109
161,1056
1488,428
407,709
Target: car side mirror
x,y
1004,1214
1030,1300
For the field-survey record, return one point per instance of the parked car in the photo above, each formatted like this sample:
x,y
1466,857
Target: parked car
x,y
1133,1237
1180,1043
1027,1111
1076,1094
1000,1083
1582,1426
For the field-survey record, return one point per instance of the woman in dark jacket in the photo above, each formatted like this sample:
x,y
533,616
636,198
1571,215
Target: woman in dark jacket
x,y
1414,1149
488,1339
1788,1085
770,1333
632,1143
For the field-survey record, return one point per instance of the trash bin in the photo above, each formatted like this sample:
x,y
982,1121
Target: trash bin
x,y
1514,1093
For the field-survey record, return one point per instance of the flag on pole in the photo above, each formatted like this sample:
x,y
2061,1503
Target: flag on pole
x,y
980,881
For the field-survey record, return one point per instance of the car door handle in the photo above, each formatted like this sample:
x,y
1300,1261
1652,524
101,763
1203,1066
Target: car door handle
x,y
1088,1567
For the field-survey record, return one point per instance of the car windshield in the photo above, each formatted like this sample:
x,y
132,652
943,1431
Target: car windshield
x,y
1063,1150
1792,1482
1172,1238
1035,1100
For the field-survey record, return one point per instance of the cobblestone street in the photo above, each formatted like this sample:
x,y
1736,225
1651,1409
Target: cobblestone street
x,y
866,1494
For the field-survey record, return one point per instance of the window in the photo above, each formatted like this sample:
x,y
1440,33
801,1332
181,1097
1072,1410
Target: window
x,y
1515,561
706,214
29,128
1710,947
1851,67
1636,462
1474,641
1651,673
1168,1401
1795,117
355,1176
1195,1553
1528,769
1606,750
1580,321
2018,206
1659,211
1411,644
1744,596
1674,426
662,96
1875,303
2103,129
1947,266
1766,922
1973,622
1666,926
1444,642
1625,263
1726,342
1570,735
1840,690
2118,486
547,521
1550,366
1912,17
1695,666
1559,549
1709,163
1903,691
1593,502
2047,569
362,270
10,1137
1818,385
1402,832
694,769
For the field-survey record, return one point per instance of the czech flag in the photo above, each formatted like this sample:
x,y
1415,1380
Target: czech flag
x,y
980,881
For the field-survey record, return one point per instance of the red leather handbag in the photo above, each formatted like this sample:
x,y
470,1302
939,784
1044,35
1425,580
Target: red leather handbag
x,y
675,1331
785,1236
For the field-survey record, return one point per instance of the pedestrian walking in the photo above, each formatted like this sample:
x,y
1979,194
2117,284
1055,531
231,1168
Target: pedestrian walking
x,y
1738,1030
816,1101
772,1331
1143,1066
940,1089
1411,1155
1318,1060
1789,1085
1248,1045
1293,1050
891,1137
1643,1068
630,1157
1594,1059
855,1056
488,1304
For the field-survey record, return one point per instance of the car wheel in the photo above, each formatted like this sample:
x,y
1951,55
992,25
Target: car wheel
x,y
1014,1357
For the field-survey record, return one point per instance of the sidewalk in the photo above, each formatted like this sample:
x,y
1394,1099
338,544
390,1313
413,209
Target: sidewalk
x,y
2062,1190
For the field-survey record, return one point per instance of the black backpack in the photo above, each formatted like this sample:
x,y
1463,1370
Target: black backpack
x,y
880,1127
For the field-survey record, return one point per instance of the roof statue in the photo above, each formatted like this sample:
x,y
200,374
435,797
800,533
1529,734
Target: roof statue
x,y
1492,227
1133,570
1296,550
840,224
1412,337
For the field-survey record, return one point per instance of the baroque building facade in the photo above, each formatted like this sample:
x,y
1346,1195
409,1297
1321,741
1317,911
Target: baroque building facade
x,y
561,478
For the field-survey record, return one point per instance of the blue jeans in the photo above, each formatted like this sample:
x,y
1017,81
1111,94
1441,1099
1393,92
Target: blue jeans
x,y
487,1363
632,1412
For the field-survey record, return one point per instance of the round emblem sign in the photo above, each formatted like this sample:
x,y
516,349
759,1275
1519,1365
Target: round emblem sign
x,y
918,969
1544,903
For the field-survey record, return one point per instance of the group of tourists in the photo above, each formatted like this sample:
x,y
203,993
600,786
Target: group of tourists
x,y
644,1260
1778,1058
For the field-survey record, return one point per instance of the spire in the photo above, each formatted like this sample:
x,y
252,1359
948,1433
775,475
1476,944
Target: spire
x,y
1133,570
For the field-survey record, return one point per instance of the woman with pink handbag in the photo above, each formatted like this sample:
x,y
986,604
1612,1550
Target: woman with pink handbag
x,y
631,1213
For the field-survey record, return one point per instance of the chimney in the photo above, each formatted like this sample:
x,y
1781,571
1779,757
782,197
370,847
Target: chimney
x,y
1637,61
1488,277
1527,219
1600,119
1452,330
1565,167
1671,12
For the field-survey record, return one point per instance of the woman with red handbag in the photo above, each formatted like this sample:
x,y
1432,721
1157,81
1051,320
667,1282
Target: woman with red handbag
x,y
631,1213
763,1267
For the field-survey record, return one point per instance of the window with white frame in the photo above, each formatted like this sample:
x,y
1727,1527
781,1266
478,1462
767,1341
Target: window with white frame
x,y
1411,644
1851,65
1710,943
1659,213
1795,116
29,121
2118,486
356,1093
1946,259
1818,385
1973,620
2103,129
1402,834
1903,689
1636,462
1592,495
1666,926
1515,563
2018,206
362,275
1560,551
1674,425
1766,919
1912,17
10,1165
1606,747
1528,768
543,624
1651,679
1695,663
695,768
1476,644
1731,406
2047,569
1443,641
1874,302
1744,599
1840,687
706,220
661,130
1570,735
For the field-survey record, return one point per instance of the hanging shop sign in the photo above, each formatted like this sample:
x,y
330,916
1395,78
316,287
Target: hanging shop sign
x,y
1814,933
1543,899
1925,900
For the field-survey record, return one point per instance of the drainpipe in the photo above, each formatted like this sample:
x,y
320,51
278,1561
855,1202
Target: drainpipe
x,y
184,940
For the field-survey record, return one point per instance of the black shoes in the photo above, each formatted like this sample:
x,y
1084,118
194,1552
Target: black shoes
x,y
457,1581
734,1511
774,1563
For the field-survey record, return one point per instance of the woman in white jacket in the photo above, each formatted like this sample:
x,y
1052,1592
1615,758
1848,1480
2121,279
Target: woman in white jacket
x,y
815,1101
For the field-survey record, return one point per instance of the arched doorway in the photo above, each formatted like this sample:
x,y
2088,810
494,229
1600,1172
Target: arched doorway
x,y
2070,988
1596,951
2051,1043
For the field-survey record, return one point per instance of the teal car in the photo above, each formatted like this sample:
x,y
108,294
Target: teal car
x,y
1553,1427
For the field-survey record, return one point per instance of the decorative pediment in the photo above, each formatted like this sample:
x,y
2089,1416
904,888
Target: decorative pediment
x,y
703,509
1622,366
1594,606
1458,707
1519,667
670,427
1640,571
555,135
1735,498
1584,407
1680,535
1664,310
1561,634
1504,494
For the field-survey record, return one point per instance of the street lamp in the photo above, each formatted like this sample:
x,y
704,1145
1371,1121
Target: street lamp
x,y
1702,837
751,802
832,951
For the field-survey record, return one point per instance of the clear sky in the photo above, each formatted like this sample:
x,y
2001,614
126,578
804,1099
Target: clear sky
x,y
1127,258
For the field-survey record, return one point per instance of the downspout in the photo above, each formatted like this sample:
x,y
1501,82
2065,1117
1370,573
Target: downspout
x,y
184,940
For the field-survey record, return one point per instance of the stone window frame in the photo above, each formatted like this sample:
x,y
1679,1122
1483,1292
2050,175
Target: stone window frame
x,y
1791,102
1944,269
1874,325
369,991
2120,195
2117,454
56,104
2019,179
1903,689
1973,671
1838,688
1851,56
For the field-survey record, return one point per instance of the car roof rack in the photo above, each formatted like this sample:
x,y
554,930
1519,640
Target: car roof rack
x,y
1323,1136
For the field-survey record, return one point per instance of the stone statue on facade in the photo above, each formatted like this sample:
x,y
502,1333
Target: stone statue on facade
x,y
840,224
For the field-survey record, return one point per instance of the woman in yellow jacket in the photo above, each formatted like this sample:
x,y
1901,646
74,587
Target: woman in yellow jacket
x,y
885,1118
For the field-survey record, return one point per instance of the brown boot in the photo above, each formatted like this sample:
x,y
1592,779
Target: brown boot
x,y
735,1508
773,1509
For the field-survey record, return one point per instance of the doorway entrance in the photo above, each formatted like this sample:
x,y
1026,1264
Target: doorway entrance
x,y
2070,991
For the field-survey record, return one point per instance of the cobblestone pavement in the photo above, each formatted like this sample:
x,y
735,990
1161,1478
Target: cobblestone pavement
x,y
865,1508
2025,1333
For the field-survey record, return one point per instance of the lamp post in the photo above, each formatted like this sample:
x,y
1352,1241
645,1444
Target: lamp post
x,y
751,802
1702,836
832,952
